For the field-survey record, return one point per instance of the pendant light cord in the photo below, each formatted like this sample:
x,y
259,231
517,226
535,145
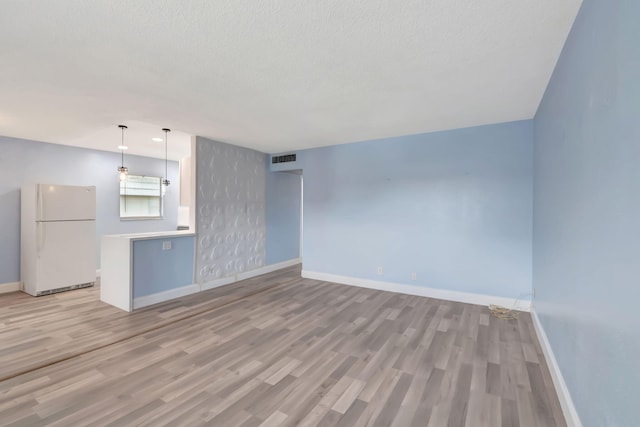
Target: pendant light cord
x,y
122,169
122,145
166,181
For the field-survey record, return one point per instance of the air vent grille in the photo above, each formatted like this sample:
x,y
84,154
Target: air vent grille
x,y
66,288
283,159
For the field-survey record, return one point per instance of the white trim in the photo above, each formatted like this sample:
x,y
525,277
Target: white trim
x,y
9,287
300,252
465,297
217,283
98,271
521,305
568,408
268,269
165,296
249,274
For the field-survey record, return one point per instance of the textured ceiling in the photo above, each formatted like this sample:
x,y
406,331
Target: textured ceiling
x,y
272,75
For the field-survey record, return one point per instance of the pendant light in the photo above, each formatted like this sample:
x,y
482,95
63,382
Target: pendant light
x,y
122,170
165,181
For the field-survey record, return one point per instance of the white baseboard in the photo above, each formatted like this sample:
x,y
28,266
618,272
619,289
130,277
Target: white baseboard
x,y
217,283
268,268
164,296
9,287
568,408
249,274
190,289
465,297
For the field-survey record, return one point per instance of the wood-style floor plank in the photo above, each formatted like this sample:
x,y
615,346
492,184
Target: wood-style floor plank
x,y
276,350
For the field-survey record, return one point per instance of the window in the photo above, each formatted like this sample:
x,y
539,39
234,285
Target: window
x,y
141,197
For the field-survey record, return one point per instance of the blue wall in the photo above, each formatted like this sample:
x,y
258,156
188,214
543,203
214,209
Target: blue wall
x,y
284,199
157,270
454,207
587,212
23,161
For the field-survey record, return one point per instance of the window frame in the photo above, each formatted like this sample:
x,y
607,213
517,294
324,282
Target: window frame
x,y
160,197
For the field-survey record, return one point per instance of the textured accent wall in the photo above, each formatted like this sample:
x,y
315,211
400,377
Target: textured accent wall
x,y
230,215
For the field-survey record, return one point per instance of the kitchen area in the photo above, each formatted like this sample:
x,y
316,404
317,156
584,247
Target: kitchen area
x,y
64,200
143,248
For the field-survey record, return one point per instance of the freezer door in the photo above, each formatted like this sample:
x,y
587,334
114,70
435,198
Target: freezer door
x,y
65,254
65,203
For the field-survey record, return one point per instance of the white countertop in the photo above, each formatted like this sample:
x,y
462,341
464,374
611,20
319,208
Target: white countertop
x,y
152,235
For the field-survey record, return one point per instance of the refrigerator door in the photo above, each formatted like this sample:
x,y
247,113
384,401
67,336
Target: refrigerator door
x,y
65,254
65,203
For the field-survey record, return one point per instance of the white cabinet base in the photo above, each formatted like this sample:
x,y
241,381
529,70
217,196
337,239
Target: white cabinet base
x,y
115,272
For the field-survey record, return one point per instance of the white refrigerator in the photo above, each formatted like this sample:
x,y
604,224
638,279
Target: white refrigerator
x,y
57,238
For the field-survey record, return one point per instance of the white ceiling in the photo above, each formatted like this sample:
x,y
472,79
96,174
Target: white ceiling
x,y
272,75
137,138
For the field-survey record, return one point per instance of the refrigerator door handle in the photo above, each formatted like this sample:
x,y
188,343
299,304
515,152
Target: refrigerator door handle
x,y
40,203
39,238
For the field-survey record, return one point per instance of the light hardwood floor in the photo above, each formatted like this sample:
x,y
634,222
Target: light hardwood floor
x,y
269,351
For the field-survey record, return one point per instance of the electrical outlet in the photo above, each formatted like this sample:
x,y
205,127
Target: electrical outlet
x,y
414,276
379,271
166,245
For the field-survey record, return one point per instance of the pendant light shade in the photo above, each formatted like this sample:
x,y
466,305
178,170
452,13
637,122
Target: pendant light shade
x,y
122,170
166,181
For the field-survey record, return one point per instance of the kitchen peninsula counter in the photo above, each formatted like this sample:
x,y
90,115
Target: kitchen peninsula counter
x,y
142,269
